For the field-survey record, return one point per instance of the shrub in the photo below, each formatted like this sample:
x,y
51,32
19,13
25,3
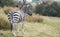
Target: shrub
x,y
6,9
46,9
4,24
6,3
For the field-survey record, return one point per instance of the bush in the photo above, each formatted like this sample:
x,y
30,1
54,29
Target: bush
x,y
6,9
4,24
6,3
48,9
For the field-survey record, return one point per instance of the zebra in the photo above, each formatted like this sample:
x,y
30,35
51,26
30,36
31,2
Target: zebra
x,y
15,17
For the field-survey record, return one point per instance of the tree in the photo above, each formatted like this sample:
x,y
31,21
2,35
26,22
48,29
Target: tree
x,y
6,3
48,9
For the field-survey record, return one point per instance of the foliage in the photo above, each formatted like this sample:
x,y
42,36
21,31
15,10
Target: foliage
x,y
4,24
6,3
6,9
56,6
48,9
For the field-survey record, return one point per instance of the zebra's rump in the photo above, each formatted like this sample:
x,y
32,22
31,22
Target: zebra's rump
x,y
14,17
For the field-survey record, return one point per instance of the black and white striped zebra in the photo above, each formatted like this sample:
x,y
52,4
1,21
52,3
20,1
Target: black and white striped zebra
x,y
15,17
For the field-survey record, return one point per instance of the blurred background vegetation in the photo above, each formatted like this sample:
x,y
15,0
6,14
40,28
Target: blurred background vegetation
x,y
46,9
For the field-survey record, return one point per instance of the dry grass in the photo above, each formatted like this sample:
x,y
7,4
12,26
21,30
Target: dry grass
x,y
4,20
34,18
7,9
36,30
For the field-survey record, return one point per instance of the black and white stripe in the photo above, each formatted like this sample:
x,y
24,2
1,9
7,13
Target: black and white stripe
x,y
14,16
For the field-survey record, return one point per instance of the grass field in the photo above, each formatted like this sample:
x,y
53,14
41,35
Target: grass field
x,y
50,27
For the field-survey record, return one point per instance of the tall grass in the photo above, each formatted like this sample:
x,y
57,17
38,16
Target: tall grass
x,y
34,18
4,23
7,9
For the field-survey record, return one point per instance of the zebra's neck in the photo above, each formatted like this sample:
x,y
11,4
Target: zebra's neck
x,y
22,13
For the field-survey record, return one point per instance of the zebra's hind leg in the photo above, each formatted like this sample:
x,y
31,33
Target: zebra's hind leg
x,y
14,28
18,30
11,27
23,27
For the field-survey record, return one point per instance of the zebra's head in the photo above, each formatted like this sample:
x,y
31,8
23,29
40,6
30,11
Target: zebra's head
x,y
27,9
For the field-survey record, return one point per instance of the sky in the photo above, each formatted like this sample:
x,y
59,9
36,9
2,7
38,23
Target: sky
x,y
29,0
32,0
26,0
57,0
